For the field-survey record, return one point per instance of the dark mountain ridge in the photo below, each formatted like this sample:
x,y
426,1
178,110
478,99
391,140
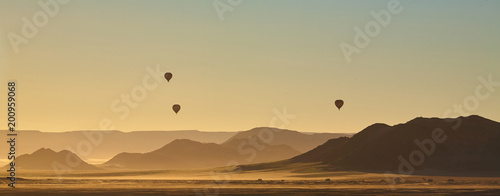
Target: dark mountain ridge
x,y
464,144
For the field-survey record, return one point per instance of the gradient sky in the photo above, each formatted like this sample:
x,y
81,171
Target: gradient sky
x,y
229,75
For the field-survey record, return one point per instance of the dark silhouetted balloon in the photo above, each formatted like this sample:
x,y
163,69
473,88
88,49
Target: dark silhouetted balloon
x,y
176,108
339,103
168,76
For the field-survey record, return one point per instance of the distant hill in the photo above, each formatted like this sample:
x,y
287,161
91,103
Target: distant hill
x,y
113,142
301,142
183,153
47,159
469,144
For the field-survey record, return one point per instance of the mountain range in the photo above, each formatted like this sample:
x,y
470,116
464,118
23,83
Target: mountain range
x,y
106,144
254,146
422,145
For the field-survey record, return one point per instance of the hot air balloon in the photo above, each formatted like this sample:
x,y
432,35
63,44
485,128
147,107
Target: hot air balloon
x,y
339,103
168,76
176,108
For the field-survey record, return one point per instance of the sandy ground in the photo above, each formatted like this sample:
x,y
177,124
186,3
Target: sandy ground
x,y
220,182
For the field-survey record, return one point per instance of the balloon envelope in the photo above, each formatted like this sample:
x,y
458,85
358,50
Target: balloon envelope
x,y
339,103
176,108
168,76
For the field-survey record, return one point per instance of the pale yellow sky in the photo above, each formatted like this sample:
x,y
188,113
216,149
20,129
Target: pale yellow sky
x,y
229,75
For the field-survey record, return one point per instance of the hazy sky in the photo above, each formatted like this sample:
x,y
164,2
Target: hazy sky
x,y
229,75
